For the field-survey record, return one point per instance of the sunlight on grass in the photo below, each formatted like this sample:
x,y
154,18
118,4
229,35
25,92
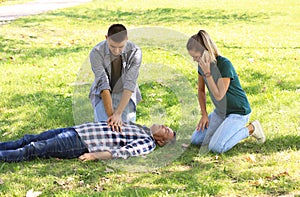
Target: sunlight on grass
x,y
45,77
12,2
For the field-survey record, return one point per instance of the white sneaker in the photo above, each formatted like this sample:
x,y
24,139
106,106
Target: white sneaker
x,y
258,132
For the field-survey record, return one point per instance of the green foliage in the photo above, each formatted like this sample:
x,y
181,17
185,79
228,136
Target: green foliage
x,y
43,65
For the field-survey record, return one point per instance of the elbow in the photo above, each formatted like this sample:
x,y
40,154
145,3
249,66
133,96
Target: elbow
x,y
219,97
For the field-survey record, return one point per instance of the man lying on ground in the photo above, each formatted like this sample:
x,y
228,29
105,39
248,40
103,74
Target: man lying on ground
x,y
89,141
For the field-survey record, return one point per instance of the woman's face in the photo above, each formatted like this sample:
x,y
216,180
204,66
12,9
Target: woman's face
x,y
199,57
196,55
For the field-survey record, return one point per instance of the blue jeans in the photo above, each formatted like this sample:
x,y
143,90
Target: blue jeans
x,y
62,143
129,113
223,133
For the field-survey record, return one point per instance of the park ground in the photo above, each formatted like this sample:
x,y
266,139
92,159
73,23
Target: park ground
x,y
45,80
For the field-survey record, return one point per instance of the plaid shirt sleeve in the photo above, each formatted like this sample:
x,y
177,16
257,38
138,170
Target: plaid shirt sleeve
x,y
135,148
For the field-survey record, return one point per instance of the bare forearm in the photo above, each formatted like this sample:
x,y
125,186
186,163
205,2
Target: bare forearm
x,y
96,156
202,102
107,102
218,90
201,95
124,101
213,88
102,155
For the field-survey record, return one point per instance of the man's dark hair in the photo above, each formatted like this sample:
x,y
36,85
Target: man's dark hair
x,y
117,32
173,141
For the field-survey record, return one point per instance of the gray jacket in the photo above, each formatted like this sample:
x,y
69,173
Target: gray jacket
x,y
101,66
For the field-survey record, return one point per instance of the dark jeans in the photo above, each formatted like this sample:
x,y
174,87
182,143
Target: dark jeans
x,y
62,143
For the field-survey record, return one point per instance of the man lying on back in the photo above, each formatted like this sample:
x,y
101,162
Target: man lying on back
x,y
89,141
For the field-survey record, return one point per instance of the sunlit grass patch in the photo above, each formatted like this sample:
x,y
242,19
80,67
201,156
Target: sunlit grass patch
x,y
42,58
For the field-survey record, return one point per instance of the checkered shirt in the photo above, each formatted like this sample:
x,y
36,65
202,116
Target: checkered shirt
x,y
134,140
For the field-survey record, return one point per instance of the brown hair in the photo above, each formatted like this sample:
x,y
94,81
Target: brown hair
x,y
117,32
201,42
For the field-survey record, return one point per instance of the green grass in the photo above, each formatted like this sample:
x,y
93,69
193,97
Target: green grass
x,y
45,81
12,2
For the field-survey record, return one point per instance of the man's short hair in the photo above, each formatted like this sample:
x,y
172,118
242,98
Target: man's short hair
x,y
117,32
173,141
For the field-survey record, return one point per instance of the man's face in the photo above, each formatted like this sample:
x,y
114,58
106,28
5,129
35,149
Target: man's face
x,y
116,48
162,134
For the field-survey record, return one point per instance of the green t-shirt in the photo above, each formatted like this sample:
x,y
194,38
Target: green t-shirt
x,y
235,101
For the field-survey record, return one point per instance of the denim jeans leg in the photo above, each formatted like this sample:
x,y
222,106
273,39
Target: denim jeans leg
x,y
229,133
129,113
27,139
67,144
100,113
202,137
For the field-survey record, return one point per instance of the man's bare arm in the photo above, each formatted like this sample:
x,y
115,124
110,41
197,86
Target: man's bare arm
x,y
95,156
107,102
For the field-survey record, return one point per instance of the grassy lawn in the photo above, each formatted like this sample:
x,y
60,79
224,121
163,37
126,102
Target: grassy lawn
x,y
45,80
12,2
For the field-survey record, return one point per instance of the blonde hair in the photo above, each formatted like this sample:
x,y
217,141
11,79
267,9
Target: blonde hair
x,y
201,42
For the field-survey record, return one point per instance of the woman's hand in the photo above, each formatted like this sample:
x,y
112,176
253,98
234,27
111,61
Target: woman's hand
x,y
204,62
203,123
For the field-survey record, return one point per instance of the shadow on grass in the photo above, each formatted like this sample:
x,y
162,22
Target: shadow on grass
x,y
205,176
263,81
43,109
56,52
91,173
9,43
257,81
232,46
288,85
201,177
12,47
151,16
277,144
164,16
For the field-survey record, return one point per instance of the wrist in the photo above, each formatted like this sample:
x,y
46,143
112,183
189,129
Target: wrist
x,y
204,114
207,74
118,112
